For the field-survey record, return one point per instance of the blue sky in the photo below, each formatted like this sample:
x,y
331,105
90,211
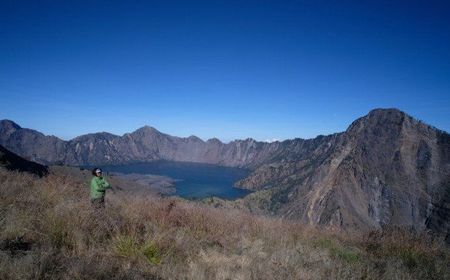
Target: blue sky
x,y
226,69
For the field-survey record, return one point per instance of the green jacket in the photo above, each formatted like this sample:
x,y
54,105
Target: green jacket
x,y
98,187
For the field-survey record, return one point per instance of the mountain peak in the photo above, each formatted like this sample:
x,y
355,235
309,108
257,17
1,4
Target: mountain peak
x,y
8,127
386,112
214,140
98,135
379,117
195,138
9,124
146,129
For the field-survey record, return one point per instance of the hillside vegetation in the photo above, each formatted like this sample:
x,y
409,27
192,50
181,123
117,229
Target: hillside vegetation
x,y
48,230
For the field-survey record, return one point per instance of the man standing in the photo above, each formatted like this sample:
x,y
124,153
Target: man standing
x,y
99,185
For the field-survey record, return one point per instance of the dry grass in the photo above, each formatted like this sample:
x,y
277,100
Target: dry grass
x,y
49,231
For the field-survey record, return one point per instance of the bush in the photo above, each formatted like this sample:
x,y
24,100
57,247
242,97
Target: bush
x,y
152,253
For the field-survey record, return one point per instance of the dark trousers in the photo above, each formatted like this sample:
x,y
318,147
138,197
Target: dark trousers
x,y
98,203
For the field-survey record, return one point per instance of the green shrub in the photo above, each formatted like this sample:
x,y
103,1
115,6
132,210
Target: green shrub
x,y
337,251
323,243
125,246
345,254
152,253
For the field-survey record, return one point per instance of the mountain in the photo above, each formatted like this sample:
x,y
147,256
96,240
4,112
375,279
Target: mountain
x,y
385,169
31,144
143,145
12,161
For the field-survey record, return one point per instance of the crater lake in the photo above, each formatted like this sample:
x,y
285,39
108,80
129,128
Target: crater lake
x,y
192,180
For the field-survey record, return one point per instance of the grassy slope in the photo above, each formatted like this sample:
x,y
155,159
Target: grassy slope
x,y
49,231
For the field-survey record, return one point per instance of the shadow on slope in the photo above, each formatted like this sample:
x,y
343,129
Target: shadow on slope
x,y
12,161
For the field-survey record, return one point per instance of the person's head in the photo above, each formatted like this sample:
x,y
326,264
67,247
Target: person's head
x,y
97,172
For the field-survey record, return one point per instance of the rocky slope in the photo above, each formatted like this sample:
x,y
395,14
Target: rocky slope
x,y
385,169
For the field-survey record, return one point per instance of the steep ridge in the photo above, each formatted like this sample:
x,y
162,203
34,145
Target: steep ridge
x,y
386,169
12,161
32,144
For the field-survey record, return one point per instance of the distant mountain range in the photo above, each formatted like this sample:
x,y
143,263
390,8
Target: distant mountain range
x,y
385,169
143,145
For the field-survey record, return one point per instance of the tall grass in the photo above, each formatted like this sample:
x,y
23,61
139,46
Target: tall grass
x,y
48,230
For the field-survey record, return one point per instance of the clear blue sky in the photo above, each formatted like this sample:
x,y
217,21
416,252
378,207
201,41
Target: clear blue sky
x,y
226,69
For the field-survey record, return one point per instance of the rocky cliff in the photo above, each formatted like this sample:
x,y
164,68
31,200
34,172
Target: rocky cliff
x,y
386,169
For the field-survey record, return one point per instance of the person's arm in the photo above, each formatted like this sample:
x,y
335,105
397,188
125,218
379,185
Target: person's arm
x,y
106,185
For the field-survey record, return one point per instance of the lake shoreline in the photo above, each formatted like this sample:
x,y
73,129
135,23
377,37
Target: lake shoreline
x,y
194,181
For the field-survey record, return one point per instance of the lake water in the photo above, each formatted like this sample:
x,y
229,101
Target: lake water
x,y
194,180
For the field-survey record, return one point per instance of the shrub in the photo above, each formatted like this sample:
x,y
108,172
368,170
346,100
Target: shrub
x,y
338,251
125,246
152,253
